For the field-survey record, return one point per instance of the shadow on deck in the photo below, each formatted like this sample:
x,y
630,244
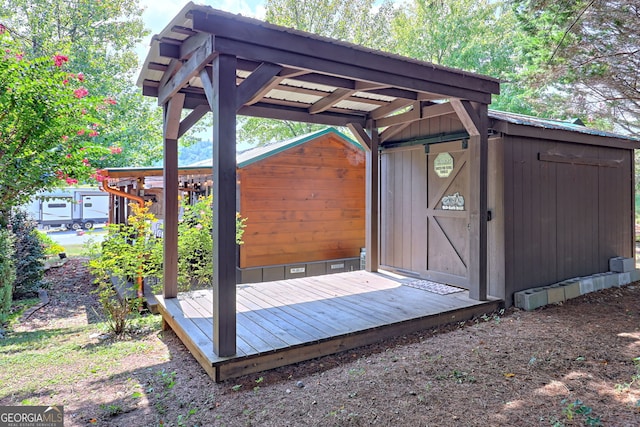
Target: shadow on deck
x,y
285,322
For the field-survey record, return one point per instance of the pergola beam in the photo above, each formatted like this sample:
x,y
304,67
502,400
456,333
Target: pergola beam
x,y
263,37
372,202
360,134
415,114
202,56
358,72
467,115
329,101
279,112
193,118
475,119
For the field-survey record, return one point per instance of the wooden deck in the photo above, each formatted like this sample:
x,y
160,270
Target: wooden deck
x,y
285,322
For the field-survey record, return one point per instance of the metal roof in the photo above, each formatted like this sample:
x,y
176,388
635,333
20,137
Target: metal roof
x,y
520,119
256,154
141,171
313,78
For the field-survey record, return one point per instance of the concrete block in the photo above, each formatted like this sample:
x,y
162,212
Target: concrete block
x,y
555,294
621,265
610,280
336,266
635,275
353,264
316,268
531,299
571,290
586,285
624,279
598,282
249,275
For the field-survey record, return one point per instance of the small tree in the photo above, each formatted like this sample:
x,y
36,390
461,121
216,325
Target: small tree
x,y
48,125
130,253
7,273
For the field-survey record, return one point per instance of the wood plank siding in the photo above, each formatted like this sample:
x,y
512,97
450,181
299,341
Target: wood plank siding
x,y
417,237
304,204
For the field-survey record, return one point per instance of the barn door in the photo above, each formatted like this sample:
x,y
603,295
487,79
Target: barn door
x,y
447,214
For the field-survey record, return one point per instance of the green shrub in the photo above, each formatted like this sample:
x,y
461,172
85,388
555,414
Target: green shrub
x,y
195,243
48,245
29,256
132,250
117,311
7,273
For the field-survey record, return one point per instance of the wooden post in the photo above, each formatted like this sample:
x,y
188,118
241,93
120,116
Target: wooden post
x,y
223,106
172,111
478,179
372,206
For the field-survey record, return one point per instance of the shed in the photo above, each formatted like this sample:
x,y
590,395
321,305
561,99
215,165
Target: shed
x,y
304,200
560,202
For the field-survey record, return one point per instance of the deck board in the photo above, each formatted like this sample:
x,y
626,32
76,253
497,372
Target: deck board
x,y
295,307
284,322
290,317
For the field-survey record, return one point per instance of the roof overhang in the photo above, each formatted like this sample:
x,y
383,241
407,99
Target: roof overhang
x,y
555,130
292,75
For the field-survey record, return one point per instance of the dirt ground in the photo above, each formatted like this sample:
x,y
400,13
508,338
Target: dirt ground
x,y
564,365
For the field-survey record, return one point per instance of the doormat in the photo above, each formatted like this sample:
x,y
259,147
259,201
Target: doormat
x,y
434,287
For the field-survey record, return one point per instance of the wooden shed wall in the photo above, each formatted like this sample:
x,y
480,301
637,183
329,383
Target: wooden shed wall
x,y
304,204
564,220
404,229
411,243
559,209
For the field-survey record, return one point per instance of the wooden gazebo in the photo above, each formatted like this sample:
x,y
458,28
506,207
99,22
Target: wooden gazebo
x,y
209,60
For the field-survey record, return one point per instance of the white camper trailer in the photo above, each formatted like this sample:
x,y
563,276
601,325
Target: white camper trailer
x,y
72,208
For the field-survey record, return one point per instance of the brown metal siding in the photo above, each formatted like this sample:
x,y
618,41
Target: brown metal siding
x,y
616,208
563,219
530,206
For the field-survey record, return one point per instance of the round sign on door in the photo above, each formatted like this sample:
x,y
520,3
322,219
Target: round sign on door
x,y
443,165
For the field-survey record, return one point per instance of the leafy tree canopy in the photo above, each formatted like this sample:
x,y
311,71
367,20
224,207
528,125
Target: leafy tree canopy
x,y
99,38
588,53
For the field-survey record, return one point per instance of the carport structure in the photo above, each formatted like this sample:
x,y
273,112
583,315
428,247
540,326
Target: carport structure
x,y
209,60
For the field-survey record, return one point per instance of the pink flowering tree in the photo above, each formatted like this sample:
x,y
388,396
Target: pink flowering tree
x,y
49,126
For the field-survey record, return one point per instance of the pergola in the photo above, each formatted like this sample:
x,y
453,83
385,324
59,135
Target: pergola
x,y
208,60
